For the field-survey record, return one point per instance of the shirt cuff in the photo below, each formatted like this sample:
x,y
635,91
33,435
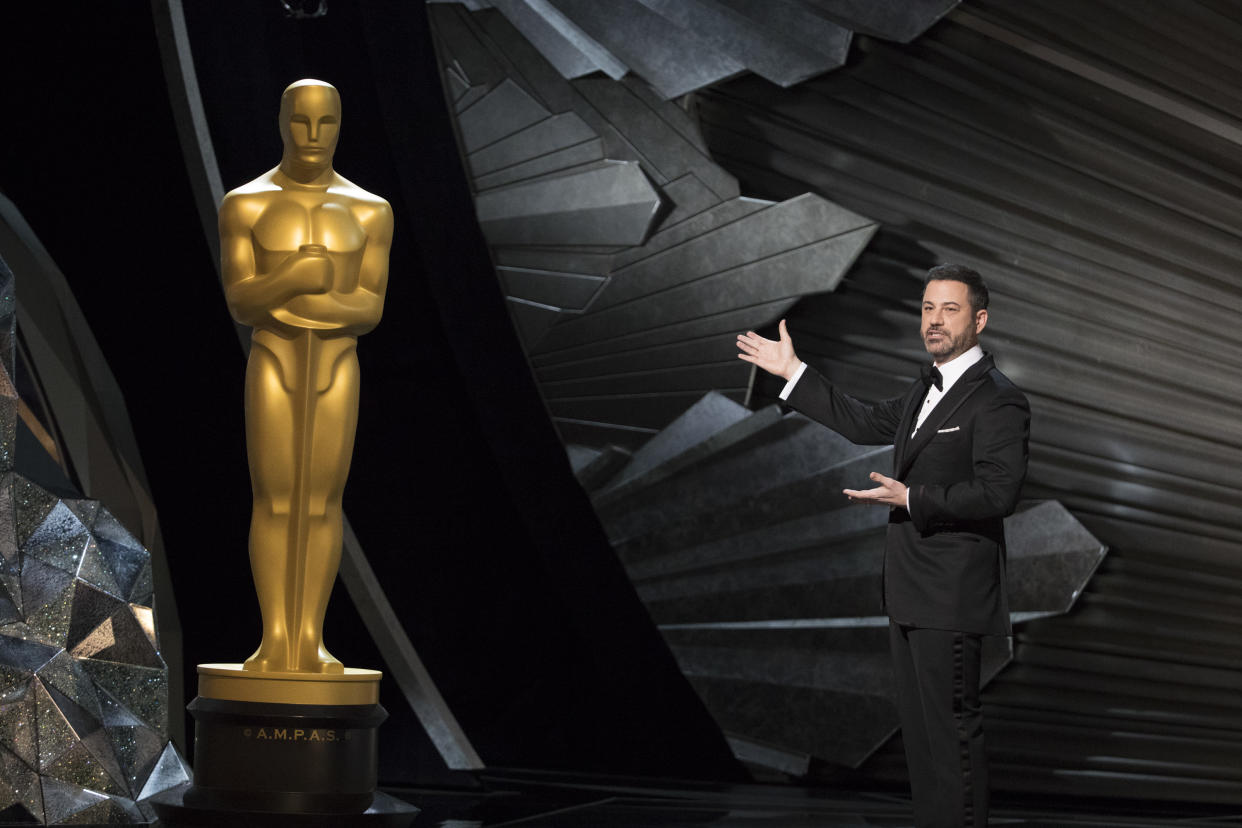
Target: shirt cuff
x,y
789,386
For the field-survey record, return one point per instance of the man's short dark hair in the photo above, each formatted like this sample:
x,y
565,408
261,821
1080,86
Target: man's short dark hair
x,y
976,289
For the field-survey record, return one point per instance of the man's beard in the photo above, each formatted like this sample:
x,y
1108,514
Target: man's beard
x,y
948,347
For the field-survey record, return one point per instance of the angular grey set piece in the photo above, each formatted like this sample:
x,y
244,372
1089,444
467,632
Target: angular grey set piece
x,y
628,256
630,259
83,689
766,582
679,46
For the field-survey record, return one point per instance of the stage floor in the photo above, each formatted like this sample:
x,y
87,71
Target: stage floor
x,y
544,803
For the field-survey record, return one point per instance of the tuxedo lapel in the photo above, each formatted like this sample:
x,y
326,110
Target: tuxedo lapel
x,y
914,398
969,383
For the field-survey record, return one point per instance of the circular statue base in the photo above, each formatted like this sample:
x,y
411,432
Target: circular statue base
x,y
300,744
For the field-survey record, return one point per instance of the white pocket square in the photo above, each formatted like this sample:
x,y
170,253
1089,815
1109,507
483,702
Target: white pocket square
x,y
947,430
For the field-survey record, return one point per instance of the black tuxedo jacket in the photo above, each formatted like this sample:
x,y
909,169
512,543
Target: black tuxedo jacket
x,y
944,561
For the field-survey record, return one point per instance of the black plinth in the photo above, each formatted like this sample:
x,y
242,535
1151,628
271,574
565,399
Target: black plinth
x,y
283,758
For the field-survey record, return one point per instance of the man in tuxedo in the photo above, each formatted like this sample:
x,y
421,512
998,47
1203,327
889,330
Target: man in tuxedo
x,y
960,436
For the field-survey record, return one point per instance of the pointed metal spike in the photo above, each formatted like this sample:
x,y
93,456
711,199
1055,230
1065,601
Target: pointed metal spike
x,y
169,772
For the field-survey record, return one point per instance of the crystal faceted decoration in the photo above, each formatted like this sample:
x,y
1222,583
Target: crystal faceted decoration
x,y
83,689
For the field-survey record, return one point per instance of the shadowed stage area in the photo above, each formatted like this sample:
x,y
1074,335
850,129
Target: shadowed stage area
x,y
562,802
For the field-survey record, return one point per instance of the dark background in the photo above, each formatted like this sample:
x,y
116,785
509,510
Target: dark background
x,y
460,492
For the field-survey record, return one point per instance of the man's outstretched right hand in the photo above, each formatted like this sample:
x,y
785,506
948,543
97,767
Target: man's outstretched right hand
x,y
774,356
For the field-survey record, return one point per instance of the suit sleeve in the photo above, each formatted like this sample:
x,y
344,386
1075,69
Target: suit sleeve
x,y
867,424
998,455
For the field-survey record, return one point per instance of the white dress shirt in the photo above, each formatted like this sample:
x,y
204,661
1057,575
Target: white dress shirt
x,y
950,373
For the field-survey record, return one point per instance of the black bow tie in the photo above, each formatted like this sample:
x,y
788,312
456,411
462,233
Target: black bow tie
x,y
931,376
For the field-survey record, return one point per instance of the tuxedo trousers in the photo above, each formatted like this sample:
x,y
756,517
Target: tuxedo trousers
x,y
937,675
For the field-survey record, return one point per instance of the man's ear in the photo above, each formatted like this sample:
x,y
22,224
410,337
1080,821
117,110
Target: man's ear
x,y
981,320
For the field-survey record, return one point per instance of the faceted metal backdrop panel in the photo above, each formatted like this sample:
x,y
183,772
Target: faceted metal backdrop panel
x,y
628,256
83,689
1087,159
678,46
631,260
766,581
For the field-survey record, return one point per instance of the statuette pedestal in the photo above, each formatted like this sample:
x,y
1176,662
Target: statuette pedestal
x,y
299,748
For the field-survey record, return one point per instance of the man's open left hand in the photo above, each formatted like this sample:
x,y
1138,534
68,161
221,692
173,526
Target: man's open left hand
x,y
890,492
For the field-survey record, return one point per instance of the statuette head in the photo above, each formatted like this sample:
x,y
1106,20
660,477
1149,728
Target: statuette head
x,y
310,122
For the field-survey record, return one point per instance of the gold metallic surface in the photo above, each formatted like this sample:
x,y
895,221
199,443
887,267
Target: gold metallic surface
x,y
235,682
40,432
304,257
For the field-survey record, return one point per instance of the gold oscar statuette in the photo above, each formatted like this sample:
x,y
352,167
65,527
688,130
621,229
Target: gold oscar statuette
x,y
304,259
